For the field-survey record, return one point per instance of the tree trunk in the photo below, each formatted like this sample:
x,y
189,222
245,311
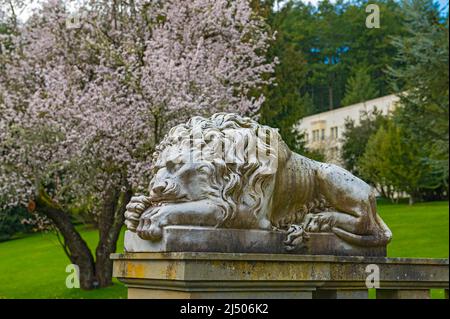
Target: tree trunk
x,y
330,97
98,273
414,197
74,246
110,224
382,191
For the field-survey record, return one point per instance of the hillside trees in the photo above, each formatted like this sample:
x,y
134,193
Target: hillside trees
x,y
285,103
356,136
327,59
424,78
393,162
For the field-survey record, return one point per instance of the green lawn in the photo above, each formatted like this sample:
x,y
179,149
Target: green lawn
x,y
34,266
420,230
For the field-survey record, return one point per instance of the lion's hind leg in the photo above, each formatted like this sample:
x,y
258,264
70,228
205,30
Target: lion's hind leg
x,y
343,225
367,230
359,230
327,221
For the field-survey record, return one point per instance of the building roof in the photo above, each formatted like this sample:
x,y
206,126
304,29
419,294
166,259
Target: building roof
x,y
370,104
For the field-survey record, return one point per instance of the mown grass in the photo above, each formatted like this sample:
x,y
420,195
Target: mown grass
x,y
34,266
421,230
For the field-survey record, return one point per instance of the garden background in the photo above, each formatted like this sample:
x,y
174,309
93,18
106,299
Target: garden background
x,y
89,88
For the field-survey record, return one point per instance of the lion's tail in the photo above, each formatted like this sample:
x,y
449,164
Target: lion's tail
x,y
381,235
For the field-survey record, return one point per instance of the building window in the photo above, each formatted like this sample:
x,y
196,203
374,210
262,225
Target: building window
x,y
315,135
334,133
323,134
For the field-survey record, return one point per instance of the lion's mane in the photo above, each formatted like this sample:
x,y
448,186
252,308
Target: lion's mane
x,y
239,178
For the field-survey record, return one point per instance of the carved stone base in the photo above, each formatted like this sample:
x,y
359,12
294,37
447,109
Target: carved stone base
x,y
201,239
215,275
341,294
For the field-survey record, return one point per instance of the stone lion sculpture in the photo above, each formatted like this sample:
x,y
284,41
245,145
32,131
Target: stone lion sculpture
x,y
228,171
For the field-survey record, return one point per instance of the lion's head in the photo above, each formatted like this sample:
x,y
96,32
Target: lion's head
x,y
229,159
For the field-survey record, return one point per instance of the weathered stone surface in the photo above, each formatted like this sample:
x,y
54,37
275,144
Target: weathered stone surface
x,y
235,275
143,293
230,172
201,239
341,294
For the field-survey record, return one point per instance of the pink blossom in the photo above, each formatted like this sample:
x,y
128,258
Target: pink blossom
x,y
82,109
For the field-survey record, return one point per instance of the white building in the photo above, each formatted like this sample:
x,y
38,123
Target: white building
x,y
324,130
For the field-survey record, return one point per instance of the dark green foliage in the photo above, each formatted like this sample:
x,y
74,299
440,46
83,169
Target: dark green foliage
x,y
326,50
410,152
285,104
326,53
373,48
424,78
11,222
336,43
360,87
355,138
394,162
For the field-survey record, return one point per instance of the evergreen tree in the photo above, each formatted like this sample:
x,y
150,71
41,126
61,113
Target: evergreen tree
x,y
424,79
334,42
373,165
393,160
372,48
360,87
285,104
328,50
356,136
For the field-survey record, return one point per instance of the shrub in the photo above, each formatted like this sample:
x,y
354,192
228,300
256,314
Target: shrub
x,y
11,222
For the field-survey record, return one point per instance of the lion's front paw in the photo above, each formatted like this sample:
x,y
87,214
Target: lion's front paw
x,y
135,208
296,238
152,222
321,222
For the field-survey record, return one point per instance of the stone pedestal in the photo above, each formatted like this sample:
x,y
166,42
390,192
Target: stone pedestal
x,y
205,239
246,275
341,294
